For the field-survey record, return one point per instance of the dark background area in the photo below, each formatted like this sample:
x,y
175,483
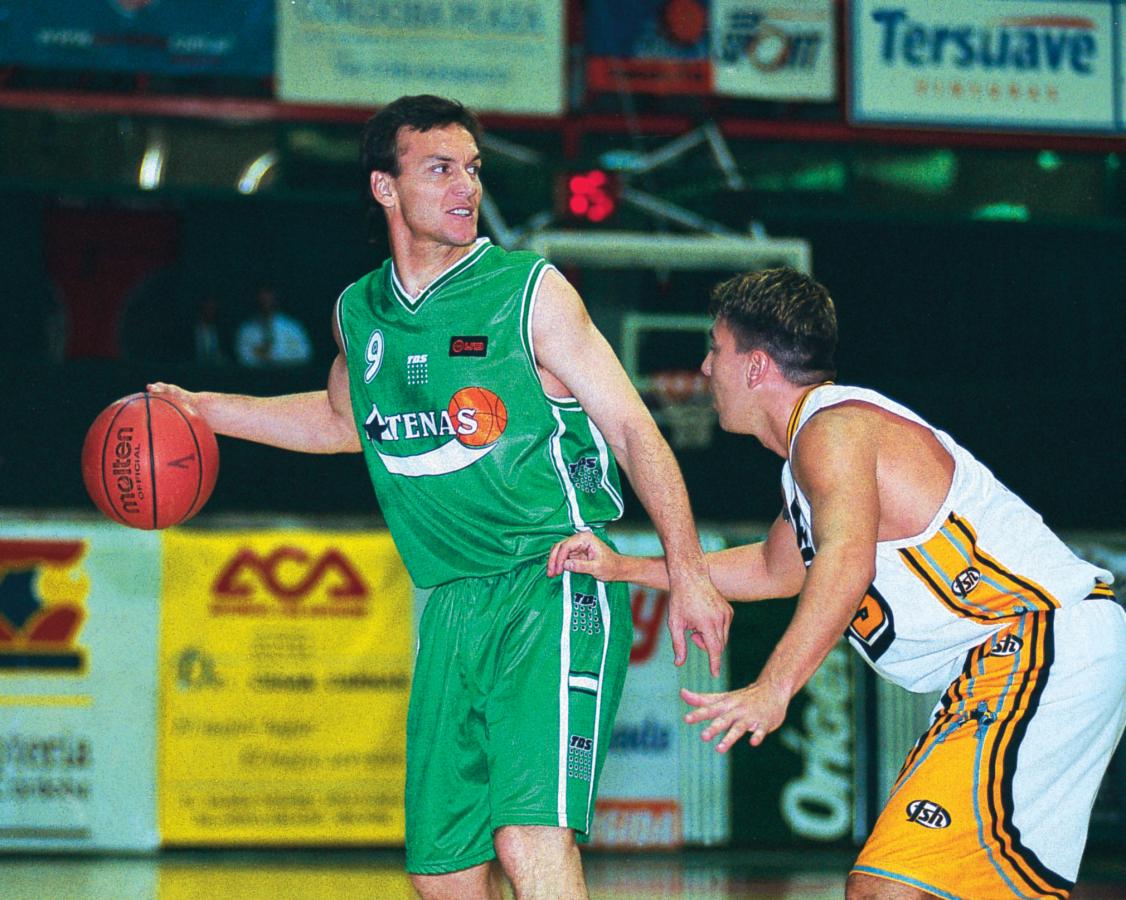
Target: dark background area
x,y
1006,334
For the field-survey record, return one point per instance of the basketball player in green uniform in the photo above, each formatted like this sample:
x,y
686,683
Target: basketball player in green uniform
x,y
492,416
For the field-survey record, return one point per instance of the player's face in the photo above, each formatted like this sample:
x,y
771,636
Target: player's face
x,y
725,368
438,190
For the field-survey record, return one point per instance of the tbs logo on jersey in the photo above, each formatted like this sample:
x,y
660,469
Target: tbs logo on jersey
x,y
586,474
927,814
965,581
467,430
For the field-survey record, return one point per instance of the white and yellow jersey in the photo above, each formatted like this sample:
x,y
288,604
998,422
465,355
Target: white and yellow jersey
x,y
985,558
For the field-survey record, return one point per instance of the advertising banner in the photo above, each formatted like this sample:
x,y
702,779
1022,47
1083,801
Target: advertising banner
x,y
775,51
79,614
648,46
284,674
151,36
661,785
998,64
492,55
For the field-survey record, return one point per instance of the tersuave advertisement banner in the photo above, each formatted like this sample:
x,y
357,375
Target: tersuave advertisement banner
x,y
78,632
995,64
661,785
202,37
285,664
490,55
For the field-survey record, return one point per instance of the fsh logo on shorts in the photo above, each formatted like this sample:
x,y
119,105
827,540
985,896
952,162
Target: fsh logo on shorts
x,y
1009,645
927,814
965,581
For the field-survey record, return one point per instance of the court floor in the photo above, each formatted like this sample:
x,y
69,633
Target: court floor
x,y
378,874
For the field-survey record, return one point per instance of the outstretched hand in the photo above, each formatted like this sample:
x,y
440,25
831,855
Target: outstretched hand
x,y
587,554
757,710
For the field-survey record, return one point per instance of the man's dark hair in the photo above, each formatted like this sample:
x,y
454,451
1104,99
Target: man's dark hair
x,y
379,149
785,313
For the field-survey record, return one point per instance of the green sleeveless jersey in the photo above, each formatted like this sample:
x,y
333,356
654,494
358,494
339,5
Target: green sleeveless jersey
x,y
475,468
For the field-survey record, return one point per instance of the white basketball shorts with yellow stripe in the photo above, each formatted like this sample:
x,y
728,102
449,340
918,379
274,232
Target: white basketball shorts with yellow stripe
x,y
995,798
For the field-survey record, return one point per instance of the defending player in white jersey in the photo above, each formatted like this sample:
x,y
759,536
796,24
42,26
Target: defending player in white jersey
x,y
941,578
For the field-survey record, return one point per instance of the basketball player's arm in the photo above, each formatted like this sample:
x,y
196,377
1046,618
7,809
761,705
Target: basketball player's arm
x,y
835,465
311,422
760,571
574,353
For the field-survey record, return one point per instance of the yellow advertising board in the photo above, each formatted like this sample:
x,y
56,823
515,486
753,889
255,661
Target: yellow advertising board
x,y
284,674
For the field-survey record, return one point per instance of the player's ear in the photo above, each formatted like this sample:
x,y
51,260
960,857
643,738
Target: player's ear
x,y
757,363
382,188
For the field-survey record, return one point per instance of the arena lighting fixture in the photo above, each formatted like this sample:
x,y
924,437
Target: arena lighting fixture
x,y
1048,160
1001,212
251,178
151,174
934,172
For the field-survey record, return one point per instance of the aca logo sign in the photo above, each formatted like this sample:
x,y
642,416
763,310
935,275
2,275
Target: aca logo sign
x,y
290,581
43,589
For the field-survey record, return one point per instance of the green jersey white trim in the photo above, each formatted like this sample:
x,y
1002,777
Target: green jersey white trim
x,y
412,304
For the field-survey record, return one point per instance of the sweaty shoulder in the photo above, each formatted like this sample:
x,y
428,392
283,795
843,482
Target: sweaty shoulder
x,y
913,470
850,420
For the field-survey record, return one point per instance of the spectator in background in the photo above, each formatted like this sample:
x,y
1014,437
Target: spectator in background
x,y
208,344
271,338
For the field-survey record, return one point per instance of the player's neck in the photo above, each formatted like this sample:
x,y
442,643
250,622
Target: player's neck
x,y
418,263
775,410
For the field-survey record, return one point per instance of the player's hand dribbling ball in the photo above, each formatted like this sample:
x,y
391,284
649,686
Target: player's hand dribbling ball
x,y
149,462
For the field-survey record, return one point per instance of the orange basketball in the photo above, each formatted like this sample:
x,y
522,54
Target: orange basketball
x,y
479,416
148,462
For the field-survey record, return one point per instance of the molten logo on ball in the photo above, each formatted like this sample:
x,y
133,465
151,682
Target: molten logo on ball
x,y
148,462
126,471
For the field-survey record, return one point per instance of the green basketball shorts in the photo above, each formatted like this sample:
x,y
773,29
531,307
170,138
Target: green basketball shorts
x,y
515,689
